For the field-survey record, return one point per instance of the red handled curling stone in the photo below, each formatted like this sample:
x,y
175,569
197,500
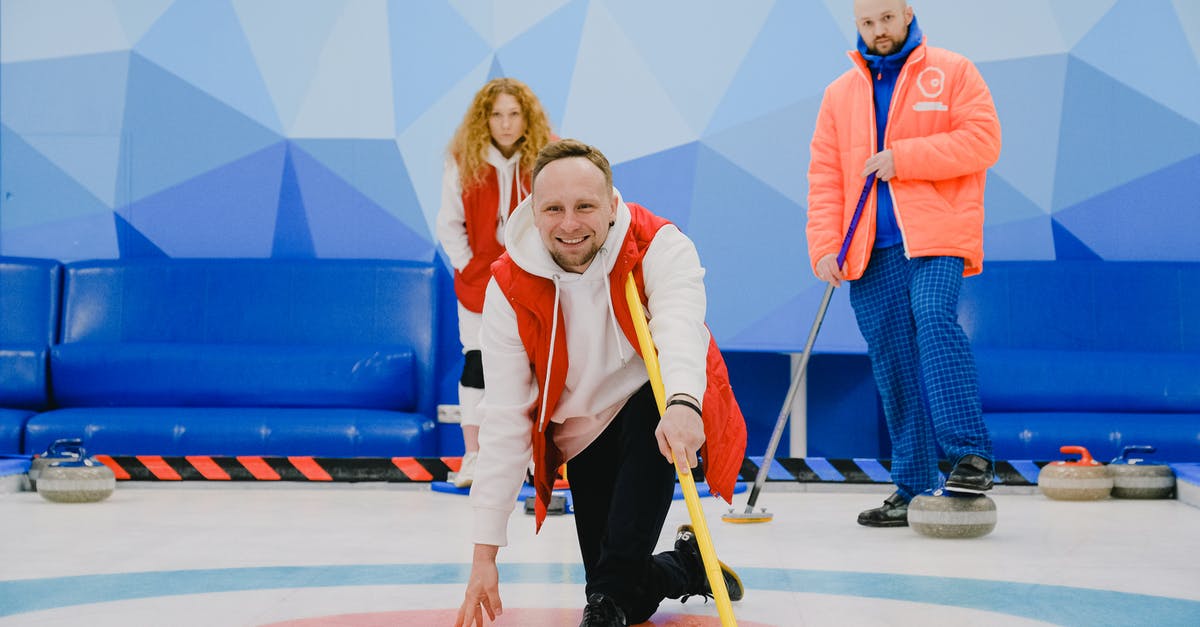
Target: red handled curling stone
x,y
59,450
1136,478
943,514
1082,480
82,480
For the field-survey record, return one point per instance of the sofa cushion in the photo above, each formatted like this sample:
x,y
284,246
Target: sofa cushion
x,y
1118,306
255,302
236,431
23,376
1080,381
197,375
30,294
12,429
1039,435
29,298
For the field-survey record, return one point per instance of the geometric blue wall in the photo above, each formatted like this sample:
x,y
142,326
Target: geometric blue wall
x,y
317,128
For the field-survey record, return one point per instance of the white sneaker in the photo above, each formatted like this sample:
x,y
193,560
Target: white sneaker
x,y
466,472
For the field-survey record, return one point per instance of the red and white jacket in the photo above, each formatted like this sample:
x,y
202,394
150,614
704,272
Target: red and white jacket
x,y
537,315
470,222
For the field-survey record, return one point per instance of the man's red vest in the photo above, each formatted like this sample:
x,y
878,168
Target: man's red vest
x,y
481,203
532,298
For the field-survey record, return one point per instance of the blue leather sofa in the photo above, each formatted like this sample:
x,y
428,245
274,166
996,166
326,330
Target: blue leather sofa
x,y
244,357
29,307
1093,353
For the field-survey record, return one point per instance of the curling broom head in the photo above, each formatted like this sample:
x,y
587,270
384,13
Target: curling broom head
x,y
742,518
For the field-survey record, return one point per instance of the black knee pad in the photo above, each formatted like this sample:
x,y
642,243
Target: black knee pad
x,y
472,374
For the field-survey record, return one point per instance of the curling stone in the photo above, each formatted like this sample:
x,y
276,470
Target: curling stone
x,y
59,450
943,514
1136,478
1082,480
557,507
82,480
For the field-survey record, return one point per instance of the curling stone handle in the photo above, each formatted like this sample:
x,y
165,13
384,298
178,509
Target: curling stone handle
x,y
1084,456
1136,448
63,445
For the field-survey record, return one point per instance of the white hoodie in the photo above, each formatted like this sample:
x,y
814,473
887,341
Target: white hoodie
x,y
604,370
452,217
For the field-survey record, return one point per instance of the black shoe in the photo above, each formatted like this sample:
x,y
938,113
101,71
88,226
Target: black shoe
x,y
602,611
972,474
893,513
686,543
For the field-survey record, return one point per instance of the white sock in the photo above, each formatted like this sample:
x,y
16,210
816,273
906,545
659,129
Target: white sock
x,y
468,403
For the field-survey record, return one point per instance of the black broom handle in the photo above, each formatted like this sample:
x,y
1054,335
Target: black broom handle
x,y
761,477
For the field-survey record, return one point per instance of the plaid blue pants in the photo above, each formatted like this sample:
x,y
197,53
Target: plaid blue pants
x,y
907,310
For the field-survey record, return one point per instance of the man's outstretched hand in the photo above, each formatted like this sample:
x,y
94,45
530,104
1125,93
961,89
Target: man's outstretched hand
x,y
483,589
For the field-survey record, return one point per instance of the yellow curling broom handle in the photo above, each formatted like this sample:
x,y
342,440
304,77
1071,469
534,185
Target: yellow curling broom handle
x,y
712,568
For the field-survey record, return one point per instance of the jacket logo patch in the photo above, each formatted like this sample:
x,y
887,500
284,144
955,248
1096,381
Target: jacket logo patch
x,y
932,82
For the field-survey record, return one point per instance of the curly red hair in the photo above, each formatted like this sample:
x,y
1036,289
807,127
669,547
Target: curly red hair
x,y
471,139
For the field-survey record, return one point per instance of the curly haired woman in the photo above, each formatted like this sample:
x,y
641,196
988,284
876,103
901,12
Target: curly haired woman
x,y
486,176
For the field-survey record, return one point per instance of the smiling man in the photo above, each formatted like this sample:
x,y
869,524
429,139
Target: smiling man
x,y
566,382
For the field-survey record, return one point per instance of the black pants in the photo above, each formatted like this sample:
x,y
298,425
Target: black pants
x,y
621,488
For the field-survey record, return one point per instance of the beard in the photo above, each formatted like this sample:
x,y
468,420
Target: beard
x,y
887,45
579,260
883,48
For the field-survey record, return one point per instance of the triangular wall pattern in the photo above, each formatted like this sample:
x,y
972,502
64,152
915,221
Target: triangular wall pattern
x,y
318,128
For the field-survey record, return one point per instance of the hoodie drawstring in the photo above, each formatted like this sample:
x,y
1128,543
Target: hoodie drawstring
x,y
550,357
515,188
612,317
612,314
518,184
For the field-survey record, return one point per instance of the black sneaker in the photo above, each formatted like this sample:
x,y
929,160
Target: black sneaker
x,y
602,611
686,543
972,474
893,513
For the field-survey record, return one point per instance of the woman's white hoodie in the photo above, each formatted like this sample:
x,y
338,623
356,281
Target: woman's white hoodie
x,y
452,217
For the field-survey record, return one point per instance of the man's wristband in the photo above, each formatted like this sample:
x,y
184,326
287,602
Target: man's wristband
x,y
686,403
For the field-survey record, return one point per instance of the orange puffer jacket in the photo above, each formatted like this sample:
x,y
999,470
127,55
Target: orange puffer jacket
x,y
943,133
